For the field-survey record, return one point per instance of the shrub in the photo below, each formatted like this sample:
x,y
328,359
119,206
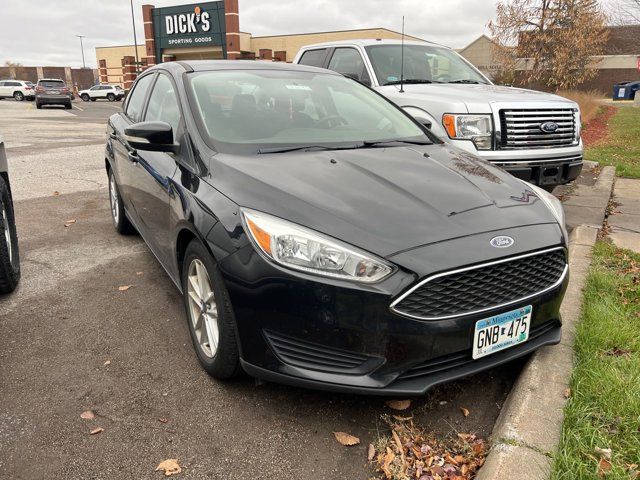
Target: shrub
x,y
589,102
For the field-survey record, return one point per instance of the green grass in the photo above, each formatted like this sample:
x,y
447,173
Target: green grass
x,y
604,407
621,148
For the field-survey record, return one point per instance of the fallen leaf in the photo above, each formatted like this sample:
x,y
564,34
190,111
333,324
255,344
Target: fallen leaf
x,y
371,452
170,467
604,466
124,288
388,458
97,430
346,439
108,362
56,193
69,222
567,393
464,411
603,453
163,420
398,404
87,415
139,273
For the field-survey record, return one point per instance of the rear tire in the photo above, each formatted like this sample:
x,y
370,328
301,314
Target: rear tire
x,y
68,106
9,254
209,313
120,221
18,96
85,97
111,97
38,105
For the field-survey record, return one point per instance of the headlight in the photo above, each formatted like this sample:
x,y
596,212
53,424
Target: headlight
x,y
302,249
477,128
552,203
578,124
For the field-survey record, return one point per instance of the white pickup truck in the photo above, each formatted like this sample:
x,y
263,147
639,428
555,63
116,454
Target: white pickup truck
x,y
533,135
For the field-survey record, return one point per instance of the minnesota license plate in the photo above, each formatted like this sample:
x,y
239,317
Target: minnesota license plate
x,y
501,331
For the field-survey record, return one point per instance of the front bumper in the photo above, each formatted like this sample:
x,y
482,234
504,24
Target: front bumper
x,y
334,335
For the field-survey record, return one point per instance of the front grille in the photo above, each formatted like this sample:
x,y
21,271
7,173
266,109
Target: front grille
x,y
521,128
312,356
483,287
459,359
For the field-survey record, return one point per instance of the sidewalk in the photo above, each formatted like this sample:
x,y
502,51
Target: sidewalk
x,y
624,222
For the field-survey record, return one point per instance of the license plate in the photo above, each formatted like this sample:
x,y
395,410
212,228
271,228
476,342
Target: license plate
x,y
501,331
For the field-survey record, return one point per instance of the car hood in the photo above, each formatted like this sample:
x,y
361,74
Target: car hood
x,y
384,200
468,94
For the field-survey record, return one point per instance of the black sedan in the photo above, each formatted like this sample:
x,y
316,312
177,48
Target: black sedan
x,y
321,237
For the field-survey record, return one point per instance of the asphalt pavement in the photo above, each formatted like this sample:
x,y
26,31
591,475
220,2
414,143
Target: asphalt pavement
x,y
72,342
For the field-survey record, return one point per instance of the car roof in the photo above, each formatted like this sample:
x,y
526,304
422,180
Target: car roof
x,y
365,42
211,65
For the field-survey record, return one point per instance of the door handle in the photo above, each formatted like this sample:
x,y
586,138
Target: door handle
x,y
113,135
133,156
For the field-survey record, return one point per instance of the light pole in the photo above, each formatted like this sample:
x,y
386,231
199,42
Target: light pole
x,y
82,48
135,40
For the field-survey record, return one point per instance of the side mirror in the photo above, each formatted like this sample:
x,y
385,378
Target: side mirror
x,y
151,136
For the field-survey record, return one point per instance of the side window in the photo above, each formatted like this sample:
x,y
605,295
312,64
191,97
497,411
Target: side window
x,y
95,88
163,104
348,61
136,98
12,84
313,58
2,84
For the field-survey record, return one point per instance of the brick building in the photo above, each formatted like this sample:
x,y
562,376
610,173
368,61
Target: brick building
x,y
79,78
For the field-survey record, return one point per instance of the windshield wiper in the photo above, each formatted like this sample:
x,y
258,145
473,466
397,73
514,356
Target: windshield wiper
x,y
386,143
464,81
410,81
304,148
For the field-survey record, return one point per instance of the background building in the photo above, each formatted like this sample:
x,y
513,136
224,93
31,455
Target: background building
x,y
77,78
207,31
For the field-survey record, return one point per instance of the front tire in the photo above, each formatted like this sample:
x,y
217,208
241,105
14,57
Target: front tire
x,y
9,254
68,106
111,97
120,221
85,97
18,96
209,313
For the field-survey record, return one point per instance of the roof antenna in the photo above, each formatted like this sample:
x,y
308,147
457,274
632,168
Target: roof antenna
x,y
402,60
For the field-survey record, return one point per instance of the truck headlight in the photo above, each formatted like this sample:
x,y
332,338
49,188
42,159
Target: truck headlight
x,y
300,248
477,128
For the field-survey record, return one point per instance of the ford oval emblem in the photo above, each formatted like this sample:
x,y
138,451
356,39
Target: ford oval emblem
x,y
502,241
549,127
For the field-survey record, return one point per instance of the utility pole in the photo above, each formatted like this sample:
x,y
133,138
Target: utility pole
x,y
135,40
82,48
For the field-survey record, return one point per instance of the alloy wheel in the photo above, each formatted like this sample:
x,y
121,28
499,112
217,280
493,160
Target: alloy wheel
x,y
113,197
203,309
7,232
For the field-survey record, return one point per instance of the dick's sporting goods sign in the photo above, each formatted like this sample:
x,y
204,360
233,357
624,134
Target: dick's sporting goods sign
x,y
183,26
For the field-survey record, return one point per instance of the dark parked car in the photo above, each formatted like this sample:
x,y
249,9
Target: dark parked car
x,y
9,255
322,237
52,91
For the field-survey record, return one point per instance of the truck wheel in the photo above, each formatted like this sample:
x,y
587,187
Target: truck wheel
x,y
111,97
85,97
18,96
9,255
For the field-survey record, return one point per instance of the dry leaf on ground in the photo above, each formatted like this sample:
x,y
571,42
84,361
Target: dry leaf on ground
x,y
398,404
163,420
97,430
371,452
56,193
69,222
603,453
87,415
169,467
107,362
604,466
346,439
464,411
139,273
124,288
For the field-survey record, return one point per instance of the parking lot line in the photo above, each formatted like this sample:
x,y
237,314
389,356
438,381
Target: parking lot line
x,y
81,109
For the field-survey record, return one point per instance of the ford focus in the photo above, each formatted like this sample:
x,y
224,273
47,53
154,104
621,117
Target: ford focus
x,y
321,237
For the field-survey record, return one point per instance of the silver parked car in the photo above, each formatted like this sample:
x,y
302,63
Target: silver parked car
x,y
52,91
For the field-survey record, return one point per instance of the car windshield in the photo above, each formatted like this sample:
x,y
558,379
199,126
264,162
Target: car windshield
x,y
422,64
265,109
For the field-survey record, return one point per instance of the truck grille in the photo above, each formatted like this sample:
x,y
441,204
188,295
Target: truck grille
x,y
483,287
521,128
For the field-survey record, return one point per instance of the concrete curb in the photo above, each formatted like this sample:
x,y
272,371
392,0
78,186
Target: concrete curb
x,y
528,428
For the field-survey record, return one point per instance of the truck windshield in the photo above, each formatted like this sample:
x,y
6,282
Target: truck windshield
x,y
422,64
267,110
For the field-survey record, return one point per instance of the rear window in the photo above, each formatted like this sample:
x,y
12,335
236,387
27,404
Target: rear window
x,y
51,83
313,58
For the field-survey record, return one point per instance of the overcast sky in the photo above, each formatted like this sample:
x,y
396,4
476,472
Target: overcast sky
x,y
43,33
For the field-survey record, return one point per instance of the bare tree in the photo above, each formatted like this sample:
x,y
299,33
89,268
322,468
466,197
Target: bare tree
x,y
625,12
552,42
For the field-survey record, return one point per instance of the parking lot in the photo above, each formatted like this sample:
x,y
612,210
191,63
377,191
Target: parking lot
x,y
73,341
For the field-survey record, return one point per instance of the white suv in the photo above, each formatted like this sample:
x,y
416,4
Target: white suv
x,y
17,89
109,92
